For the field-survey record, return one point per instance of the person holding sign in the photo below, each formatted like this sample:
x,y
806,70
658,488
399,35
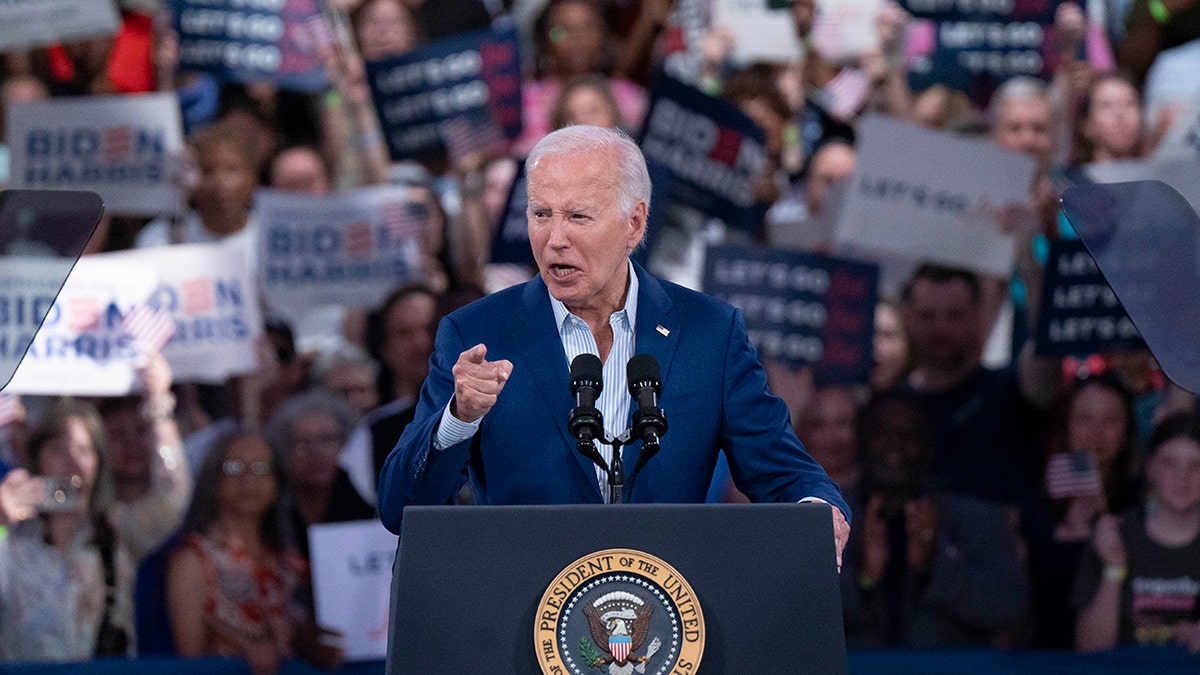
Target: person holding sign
x,y
494,408
151,480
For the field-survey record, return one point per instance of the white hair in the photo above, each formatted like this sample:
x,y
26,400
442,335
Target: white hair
x,y
633,177
1020,88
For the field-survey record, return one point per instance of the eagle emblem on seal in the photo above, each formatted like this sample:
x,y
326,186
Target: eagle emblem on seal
x,y
619,622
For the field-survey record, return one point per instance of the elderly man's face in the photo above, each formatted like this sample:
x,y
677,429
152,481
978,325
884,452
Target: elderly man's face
x,y
581,239
1023,125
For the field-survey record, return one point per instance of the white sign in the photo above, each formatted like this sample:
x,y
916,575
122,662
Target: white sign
x,y
844,29
352,581
909,198
121,147
351,248
27,288
759,33
30,23
82,347
214,301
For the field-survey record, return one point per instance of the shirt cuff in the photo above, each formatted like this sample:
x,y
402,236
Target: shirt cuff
x,y
452,431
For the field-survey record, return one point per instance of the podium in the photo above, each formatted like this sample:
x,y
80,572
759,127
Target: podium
x,y
751,588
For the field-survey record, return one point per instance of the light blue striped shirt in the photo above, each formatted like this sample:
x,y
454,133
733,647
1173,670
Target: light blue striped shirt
x,y
577,338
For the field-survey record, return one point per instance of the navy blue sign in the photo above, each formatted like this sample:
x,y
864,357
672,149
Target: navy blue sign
x,y
253,40
973,45
1080,313
709,153
450,96
801,308
511,241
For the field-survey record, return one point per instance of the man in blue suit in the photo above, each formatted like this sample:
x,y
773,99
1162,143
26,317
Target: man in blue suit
x,y
495,405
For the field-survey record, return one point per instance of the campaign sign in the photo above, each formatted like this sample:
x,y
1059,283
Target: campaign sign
x,y
352,581
350,248
909,198
845,29
760,32
1080,314
800,308
973,45
711,150
253,40
121,147
83,347
511,242
459,91
31,23
213,299
28,285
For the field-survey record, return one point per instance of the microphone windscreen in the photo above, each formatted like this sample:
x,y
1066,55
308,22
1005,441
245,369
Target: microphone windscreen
x,y
587,370
642,369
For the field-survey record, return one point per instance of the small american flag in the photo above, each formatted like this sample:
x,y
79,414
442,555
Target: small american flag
x,y
149,328
464,135
1072,474
404,221
319,32
848,91
10,409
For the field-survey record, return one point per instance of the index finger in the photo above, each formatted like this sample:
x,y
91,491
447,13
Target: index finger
x,y
476,354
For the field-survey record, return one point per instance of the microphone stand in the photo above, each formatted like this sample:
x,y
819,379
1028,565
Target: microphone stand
x,y
615,469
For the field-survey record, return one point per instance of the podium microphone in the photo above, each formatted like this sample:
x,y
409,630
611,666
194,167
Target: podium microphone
x,y
649,420
585,424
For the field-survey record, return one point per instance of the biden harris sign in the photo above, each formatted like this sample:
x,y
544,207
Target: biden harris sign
x,y
120,147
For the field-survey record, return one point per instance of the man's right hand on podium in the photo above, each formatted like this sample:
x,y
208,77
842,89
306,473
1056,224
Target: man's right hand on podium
x,y
477,383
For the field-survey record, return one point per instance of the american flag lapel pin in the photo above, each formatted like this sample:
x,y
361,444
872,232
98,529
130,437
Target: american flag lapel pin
x,y
662,330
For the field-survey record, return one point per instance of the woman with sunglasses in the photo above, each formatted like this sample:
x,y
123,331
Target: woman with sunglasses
x,y
238,556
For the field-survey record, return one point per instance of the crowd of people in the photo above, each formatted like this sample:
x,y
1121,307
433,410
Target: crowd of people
x,y
1043,503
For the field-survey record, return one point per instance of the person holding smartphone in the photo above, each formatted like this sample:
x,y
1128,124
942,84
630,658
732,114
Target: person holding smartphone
x,y
65,579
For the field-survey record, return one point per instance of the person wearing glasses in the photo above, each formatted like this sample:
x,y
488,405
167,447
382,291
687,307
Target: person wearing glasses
x,y
311,428
234,583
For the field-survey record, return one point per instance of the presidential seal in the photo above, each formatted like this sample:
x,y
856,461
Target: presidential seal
x,y
619,612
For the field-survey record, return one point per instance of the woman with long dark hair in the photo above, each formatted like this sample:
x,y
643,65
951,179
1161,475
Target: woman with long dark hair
x,y
1090,471
236,584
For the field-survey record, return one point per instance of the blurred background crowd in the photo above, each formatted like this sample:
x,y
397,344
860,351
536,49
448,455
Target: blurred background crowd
x,y
1019,502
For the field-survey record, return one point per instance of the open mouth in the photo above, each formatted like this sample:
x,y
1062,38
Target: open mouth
x,y
562,271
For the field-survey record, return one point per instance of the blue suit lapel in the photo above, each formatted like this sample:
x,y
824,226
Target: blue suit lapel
x,y
657,334
541,349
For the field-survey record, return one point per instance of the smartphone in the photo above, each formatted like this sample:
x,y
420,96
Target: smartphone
x,y
60,494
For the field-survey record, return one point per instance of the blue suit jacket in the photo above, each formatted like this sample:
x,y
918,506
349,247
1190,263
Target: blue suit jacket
x,y
714,393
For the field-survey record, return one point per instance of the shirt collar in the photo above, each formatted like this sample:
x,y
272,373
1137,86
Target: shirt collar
x,y
630,309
